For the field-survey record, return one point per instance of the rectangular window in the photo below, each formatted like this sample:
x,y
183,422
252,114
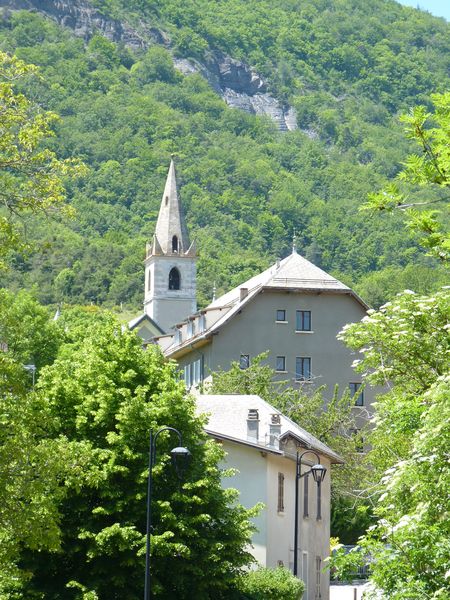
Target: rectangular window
x,y
188,375
201,323
178,337
244,361
302,368
318,577
303,320
280,364
319,501
280,492
355,388
281,315
306,496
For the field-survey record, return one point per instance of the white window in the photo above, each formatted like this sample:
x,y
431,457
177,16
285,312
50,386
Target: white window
x,y
201,323
177,336
191,328
280,364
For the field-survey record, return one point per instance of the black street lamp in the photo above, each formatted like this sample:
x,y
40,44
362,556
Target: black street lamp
x,y
318,472
180,456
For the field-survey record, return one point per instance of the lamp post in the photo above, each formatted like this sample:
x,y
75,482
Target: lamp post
x,y
318,472
180,456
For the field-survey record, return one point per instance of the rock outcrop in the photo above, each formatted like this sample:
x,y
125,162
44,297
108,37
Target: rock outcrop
x,y
237,83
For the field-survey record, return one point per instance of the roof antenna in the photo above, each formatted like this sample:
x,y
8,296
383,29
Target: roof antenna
x,y
214,292
294,243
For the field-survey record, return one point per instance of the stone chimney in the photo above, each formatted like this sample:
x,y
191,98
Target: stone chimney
x,y
253,425
275,430
243,293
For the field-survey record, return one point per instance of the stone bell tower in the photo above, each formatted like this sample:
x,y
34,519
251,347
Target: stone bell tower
x,y
170,263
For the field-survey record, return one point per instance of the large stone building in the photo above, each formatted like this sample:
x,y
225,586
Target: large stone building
x,y
293,309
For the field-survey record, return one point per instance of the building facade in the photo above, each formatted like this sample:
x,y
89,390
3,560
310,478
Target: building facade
x,y
261,444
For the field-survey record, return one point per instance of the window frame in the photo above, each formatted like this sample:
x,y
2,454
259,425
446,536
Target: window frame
x,y
300,319
354,387
280,496
300,374
277,369
277,315
246,358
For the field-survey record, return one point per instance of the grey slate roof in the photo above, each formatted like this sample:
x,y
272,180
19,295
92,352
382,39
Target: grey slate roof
x,y
227,419
293,273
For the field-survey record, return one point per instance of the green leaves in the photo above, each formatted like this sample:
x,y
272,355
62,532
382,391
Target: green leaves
x,y
31,177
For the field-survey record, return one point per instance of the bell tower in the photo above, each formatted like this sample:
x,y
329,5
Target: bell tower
x,y
170,263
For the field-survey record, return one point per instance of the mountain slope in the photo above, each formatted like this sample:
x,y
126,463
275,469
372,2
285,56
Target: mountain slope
x,y
246,187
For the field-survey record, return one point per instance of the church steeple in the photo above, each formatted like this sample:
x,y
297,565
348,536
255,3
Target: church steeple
x,y
170,269
171,234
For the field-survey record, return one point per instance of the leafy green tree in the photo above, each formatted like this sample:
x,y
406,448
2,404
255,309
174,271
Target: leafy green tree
x,y
104,389
31,176
406,346
431,131
36,468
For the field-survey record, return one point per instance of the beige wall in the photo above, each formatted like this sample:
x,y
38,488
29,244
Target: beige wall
x,y
257,480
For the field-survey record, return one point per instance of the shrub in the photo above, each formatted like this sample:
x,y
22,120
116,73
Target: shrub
x,y
271,584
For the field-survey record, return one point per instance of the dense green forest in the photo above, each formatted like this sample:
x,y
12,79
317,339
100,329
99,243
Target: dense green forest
x,y
347,66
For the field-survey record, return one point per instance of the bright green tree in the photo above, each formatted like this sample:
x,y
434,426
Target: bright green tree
x,y
104,389
406,346
36,467
31,175
430,168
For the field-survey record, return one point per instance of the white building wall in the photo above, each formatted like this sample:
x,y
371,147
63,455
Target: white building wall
x,y
168,307
251,481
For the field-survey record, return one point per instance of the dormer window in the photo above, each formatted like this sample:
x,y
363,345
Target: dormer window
x,y
174,244
174,279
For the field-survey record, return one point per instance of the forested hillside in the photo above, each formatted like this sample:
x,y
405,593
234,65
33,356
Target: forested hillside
x,y
349,67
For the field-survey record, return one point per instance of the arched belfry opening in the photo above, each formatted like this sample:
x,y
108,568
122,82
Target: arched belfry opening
x,y
174,244
174,279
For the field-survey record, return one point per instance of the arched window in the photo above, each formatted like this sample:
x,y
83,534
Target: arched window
x,y
174,279
149,281
174,244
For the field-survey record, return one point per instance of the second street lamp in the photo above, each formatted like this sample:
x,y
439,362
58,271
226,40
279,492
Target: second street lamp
x,y
318,471
180,456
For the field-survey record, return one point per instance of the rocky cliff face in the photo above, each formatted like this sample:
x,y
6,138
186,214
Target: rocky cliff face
x,y
237,83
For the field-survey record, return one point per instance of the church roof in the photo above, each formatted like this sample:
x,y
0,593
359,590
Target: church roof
x,y
293,273
171,221
227,419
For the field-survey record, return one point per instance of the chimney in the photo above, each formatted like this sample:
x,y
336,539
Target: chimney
x,y
253,425
275,430
243,293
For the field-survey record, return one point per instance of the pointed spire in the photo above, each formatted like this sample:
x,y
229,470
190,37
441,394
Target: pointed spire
x,y
171,235
57,313
294,243
214,292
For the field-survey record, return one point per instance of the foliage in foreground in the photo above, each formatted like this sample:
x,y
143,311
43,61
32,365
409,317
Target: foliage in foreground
x,y
430,168
406,345
105,390
36,467
31,176
271,584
